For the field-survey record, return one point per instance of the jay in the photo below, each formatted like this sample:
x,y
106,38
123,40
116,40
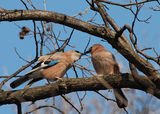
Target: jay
x,y
50,67
105,63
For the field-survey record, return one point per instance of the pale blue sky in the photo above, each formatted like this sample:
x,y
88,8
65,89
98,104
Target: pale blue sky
x,y
148,34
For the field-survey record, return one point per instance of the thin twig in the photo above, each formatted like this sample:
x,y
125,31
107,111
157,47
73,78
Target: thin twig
x,y
35,38
44,106
20,55
146,49
31,4
85,93
24,4
108,99
130,4
70,103
42,41
68,40
74,69
80,101
44,3
81,13
77,92
19,108
89,40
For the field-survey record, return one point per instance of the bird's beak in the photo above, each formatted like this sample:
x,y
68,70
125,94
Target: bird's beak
x,y
79,52
87,51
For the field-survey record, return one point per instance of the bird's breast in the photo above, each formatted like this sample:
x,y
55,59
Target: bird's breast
x,y
102,65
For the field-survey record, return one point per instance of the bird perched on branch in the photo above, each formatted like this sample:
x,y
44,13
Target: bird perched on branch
x,y
50,67
105,63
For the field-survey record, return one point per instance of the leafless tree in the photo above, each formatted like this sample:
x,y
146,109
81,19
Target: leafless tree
x,y
72,95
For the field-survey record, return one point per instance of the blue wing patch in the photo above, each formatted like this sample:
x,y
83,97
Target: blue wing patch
x,y
46,64
51,63
43,65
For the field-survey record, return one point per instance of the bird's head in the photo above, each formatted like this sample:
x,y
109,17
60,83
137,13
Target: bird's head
x,y
76,55
94,48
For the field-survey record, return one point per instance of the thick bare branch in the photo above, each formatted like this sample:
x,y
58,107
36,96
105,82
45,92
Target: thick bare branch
x,y
71,85
39,15
118,43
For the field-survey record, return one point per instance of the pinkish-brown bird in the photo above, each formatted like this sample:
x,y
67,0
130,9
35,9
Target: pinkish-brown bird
x,y
105,63
50,67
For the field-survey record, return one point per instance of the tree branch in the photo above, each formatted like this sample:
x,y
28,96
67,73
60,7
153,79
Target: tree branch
x,y
129,4
74,84
39,15
121,44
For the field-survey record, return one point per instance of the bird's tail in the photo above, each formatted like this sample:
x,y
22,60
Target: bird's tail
x,y
121,100
25,78
20,81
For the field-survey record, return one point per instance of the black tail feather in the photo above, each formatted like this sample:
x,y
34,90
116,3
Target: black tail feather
x,y
20,81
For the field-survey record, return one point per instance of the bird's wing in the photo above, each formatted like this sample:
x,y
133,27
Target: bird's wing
x,y
47,64
111,61
44,64
46,61
29,75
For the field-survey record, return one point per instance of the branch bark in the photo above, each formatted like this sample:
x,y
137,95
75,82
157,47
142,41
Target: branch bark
x,y
39,15
118,43
75,84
